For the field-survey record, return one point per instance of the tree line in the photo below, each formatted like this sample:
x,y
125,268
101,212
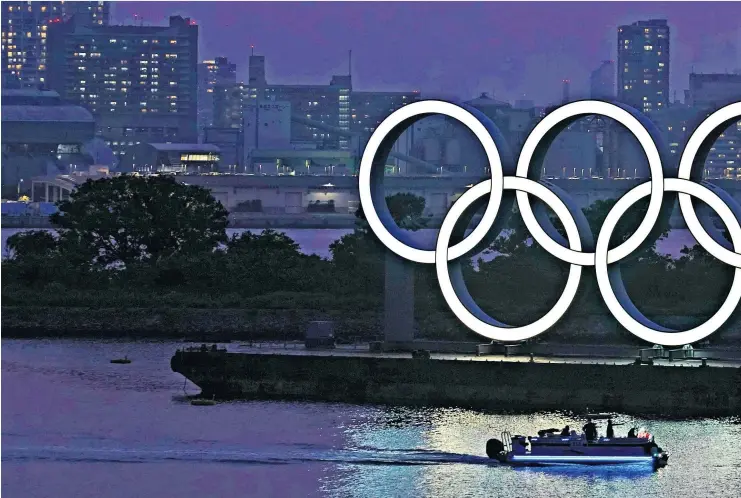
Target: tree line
x,y
142,241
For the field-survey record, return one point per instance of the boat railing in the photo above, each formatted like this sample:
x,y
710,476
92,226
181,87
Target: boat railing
x,y
507,441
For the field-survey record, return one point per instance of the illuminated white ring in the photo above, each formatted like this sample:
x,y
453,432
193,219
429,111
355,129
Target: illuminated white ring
x,y
477,320
689,161
646,330
479,129
534,144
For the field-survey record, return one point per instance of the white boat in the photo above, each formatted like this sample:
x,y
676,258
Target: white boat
x,y
576,449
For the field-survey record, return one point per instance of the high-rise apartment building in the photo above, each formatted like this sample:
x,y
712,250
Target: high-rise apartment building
x,y
335,105
24,36
602,81
643,65
709,92
211,73
257,71
227,101
140,82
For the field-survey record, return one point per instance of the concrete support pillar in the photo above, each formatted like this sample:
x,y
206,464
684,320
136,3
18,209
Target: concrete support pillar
x,y
398,300
46,195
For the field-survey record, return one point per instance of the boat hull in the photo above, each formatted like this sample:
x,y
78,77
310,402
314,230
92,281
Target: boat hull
x,y
574,450
546,460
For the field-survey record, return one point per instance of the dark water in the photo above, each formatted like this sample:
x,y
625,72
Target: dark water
x,y
75,426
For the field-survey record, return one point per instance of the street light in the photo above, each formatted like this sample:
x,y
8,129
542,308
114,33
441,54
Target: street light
x,y
19,187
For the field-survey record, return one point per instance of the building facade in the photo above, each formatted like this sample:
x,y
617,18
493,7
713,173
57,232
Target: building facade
x,y
643,65
602,81
147,158
227,101
335,105
218,71
369,109
325,104
41,135
709,92
24,36
230,142
714,90
140,82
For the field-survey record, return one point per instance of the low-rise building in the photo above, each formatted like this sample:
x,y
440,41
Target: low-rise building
x,y
40,135
149,158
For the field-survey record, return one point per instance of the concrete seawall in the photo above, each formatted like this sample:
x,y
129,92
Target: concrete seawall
x,y
516,387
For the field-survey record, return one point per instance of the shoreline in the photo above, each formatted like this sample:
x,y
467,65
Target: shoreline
x,y
289,324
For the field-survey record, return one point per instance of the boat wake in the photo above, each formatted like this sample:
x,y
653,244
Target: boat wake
x,y
271,456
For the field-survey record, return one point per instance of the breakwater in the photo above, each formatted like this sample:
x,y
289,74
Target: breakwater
x,y
499,386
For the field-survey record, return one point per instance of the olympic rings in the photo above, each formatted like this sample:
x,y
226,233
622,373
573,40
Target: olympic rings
x,y
371,187
524,181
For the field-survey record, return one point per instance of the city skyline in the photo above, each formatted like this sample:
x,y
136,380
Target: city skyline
x,y
527,63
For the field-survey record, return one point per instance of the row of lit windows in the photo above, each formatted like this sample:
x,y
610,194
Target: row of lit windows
x,y
199,157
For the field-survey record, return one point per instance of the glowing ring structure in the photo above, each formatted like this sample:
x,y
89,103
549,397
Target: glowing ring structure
x,y
524,181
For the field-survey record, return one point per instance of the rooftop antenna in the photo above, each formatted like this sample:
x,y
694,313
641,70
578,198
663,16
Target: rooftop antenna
x,y
349,63
252,47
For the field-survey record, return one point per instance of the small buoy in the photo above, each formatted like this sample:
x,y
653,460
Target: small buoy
x,y
203,401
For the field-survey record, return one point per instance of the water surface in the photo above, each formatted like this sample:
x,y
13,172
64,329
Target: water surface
x,y
76,426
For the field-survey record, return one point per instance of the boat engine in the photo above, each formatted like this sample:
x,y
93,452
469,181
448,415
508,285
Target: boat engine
x,y
494,447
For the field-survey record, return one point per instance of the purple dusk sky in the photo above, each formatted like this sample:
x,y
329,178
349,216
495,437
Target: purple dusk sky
x,y
516,50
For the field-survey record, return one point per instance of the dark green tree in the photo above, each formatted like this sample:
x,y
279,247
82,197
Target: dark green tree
x,y
31,244
129,219
270,262
358,257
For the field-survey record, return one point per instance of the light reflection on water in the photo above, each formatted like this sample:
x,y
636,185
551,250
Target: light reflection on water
x,y
74,425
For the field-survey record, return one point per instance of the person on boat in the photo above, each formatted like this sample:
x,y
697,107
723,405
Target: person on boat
x,y
590,429
632,432
610,428
566,431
